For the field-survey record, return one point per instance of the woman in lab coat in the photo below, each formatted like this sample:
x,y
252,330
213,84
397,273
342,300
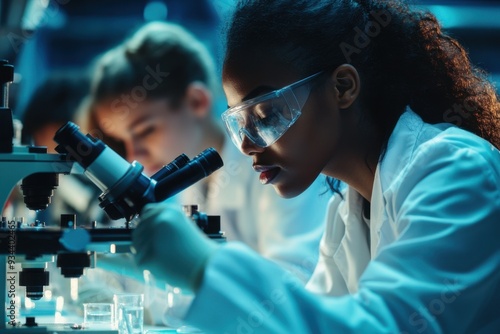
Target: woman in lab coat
x,y
375,94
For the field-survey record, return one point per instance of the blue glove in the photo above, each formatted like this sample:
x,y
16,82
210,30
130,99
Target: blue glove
x,y
170,245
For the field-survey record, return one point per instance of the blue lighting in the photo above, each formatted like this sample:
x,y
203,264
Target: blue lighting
x,y
155,11
467,16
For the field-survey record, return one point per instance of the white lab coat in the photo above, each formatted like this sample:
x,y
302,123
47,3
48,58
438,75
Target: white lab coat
x,y
287,231
428,260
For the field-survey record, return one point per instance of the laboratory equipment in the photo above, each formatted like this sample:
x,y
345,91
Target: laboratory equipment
x,y
98,315
125,190
129,316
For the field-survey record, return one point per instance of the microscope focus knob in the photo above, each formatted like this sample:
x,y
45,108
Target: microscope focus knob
x,y
75,240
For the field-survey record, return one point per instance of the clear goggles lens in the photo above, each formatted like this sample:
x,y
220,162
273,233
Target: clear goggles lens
x,y
266,118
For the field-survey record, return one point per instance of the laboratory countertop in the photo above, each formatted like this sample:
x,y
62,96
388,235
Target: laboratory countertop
x,y
63,324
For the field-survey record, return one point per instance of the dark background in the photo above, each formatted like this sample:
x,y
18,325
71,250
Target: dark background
x,y
41,36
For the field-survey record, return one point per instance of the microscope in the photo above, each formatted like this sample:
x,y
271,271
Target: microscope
x,y
125,191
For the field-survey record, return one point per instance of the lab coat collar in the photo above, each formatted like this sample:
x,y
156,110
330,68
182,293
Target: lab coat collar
x,y
359,244
353,253
400,149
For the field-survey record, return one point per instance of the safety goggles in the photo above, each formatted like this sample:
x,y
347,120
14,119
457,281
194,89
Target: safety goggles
x,y
266,118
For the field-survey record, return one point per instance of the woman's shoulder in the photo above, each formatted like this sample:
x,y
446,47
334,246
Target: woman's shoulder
x,y
449,155
421,136
417,147
454,141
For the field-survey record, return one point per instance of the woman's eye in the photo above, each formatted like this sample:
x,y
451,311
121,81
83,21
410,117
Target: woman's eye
x,y
268,115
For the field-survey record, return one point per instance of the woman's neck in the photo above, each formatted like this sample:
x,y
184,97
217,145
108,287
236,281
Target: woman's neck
x,y
356,158
360,176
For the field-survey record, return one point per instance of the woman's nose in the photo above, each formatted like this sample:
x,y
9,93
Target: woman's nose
x,y
248,147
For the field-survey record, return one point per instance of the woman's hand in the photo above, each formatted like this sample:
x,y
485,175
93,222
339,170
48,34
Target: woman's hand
x,y
170,245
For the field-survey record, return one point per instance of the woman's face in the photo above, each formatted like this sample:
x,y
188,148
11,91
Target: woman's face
x,y
295,160
152,132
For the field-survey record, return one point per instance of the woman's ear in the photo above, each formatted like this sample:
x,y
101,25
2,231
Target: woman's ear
x,y
199,99
347,85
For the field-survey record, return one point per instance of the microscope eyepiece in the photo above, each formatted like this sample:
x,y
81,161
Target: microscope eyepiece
x,y
199,167
209,160
176,164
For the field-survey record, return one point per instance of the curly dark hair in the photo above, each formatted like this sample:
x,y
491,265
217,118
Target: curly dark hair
x,y
401,53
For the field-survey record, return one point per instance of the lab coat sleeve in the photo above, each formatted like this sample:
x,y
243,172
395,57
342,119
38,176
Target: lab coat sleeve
x,y
440,276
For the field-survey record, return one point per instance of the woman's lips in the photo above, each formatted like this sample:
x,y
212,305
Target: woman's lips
x,y
267,173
